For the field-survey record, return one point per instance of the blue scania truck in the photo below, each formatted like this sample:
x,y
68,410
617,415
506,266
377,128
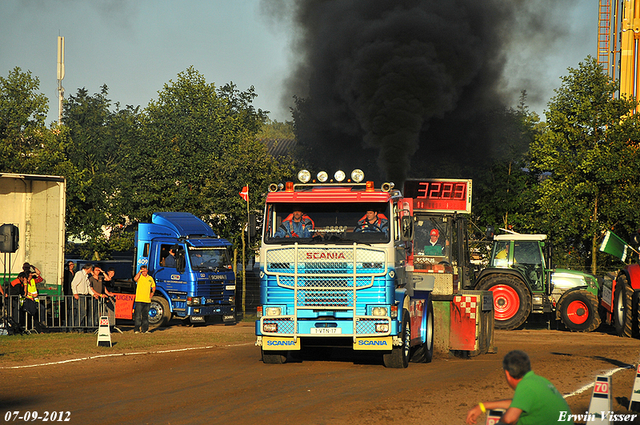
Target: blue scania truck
x,y
199,283
336,281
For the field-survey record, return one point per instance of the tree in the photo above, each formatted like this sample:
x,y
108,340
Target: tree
x,y
197,149
587,157
22,120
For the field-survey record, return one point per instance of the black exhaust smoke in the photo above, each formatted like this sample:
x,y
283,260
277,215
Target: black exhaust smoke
x,y
390,85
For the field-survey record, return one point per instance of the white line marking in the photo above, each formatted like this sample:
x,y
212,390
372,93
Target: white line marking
x,y
586,387
125,354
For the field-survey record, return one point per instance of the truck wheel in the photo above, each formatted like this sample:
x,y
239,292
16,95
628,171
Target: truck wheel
x,y
159,312
273,357
579,311
511,300
623,307
423,353
398,358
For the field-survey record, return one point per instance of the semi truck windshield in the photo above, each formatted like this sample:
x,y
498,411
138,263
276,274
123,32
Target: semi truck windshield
x,y
327,223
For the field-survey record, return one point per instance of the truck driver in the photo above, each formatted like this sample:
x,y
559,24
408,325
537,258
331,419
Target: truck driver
x,y
296,225
373,222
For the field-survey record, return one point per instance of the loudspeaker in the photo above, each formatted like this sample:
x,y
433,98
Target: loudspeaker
x,y
8,238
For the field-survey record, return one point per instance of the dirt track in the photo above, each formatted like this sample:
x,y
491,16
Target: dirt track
x,y
230,384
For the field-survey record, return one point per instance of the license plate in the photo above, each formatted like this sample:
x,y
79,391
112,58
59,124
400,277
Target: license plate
x,y
328,331
228,317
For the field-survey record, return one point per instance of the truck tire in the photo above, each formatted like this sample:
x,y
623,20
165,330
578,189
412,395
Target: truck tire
x,y
159,312
274,357
511,300
579,311
423,353
398,358
623,307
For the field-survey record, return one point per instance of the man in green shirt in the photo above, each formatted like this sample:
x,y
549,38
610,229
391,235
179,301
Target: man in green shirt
x,y
535,400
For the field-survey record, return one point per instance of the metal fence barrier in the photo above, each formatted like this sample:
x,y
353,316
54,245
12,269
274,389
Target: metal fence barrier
x,y
59,313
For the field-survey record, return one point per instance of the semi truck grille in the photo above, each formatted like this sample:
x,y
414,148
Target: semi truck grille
x,y
212,291
315,298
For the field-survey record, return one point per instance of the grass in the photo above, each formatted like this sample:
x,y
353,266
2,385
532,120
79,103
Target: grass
x,y
28,349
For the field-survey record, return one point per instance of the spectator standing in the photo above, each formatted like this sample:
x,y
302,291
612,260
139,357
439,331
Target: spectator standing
x,y
100,292
145,289
80,286
68,278
31,302
16,289
535,400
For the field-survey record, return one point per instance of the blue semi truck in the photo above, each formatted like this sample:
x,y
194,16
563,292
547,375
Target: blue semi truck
x,y
202,284
337,282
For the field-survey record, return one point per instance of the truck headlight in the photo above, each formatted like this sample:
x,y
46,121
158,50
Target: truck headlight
x,y
193,301
379,311
272,311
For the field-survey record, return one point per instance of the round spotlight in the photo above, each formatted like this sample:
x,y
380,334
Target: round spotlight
x,y
323,176
357,175
339,176
304,176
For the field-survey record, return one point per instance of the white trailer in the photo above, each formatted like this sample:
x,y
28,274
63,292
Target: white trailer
x,y
36,205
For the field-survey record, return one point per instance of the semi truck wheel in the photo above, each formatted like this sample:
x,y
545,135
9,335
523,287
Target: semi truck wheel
x,y
579,311
511,300
159,312
274,357
423,353
398,358
623,307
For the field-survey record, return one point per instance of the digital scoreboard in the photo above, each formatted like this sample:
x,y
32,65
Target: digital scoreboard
x,y
439,195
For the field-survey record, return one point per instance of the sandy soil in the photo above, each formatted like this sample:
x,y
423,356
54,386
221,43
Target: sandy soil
x,y
229,383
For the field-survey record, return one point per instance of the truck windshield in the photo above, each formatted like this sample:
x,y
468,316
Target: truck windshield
x,y
209,259
327,223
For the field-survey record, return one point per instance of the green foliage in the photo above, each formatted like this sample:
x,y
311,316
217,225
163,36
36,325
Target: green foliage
x,y
588,157
22,116
504,191
276,130
195,152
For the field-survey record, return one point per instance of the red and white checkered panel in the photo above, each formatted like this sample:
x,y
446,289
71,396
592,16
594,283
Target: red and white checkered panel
x,y
468,305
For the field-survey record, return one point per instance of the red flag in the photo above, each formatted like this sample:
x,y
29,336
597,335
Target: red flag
x,y
245,193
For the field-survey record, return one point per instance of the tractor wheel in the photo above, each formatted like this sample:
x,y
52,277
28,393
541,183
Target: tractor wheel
x,y
623,307
511,300
274,357
398,358
423,353
579,311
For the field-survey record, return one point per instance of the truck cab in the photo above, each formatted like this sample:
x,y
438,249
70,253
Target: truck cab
x,y
334,272
199,283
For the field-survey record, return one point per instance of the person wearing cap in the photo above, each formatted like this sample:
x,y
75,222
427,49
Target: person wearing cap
x,y
434,246
296,225
373,222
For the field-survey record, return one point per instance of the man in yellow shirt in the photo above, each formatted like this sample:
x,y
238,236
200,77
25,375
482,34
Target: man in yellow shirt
x,y
145,289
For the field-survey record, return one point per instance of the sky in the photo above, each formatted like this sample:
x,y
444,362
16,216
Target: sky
x,y
137,46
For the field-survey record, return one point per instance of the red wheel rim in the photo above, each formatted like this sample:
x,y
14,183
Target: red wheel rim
x,y
577,312
506,302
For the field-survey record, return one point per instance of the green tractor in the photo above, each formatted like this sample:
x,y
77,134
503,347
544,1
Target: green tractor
x,y
521,276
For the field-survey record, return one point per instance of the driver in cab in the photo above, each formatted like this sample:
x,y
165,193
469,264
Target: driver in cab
x,y
296,225
373,222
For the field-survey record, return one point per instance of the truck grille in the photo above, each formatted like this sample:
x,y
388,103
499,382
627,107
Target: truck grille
x,y
212,291
325,277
